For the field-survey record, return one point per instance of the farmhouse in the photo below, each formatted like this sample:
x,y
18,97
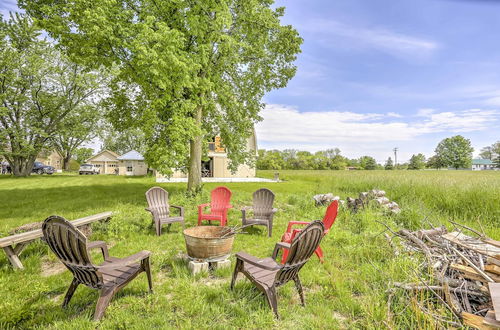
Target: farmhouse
x,y
482,164
216,166
51,158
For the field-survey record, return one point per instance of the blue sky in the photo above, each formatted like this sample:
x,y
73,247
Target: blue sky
x,y
379,74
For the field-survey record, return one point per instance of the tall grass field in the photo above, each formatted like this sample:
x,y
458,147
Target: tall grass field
x,y
350,290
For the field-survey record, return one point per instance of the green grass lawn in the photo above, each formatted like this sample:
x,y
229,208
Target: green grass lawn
x,y
348,290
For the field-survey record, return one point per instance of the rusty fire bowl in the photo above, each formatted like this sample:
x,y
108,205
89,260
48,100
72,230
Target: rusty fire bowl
x,y
205,242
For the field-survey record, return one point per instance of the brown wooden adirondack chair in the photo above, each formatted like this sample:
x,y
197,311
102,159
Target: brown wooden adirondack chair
x,y
71,247
267,274
160,209
263,211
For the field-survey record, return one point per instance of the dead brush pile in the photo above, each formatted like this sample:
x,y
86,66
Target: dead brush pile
x,y
459,271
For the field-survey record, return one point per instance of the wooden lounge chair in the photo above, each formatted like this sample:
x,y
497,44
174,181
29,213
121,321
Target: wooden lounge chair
x,y
263,211
160,209
71,247
219,205
328,221
267,274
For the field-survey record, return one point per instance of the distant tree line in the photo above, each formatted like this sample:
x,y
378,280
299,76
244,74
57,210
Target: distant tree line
x,y
453,152
330,159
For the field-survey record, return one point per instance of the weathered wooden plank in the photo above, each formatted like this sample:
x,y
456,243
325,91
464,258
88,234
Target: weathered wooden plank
x,y
492,269
475,321
493,261
490,319
13,258
491,242
470,273
495,298
35,234
472,244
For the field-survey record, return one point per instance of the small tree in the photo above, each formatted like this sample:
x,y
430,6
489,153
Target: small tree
x,y
82,154
487,153
79,127
417,162
455,152
368,163
496,162
434,162
122,141
389,164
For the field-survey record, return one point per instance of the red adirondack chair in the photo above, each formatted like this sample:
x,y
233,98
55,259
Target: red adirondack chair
x,y
328,220
219,205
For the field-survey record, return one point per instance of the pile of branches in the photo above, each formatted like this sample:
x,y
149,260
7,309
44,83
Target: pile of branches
x,y
461,272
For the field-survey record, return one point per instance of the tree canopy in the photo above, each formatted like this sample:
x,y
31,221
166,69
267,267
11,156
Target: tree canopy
x,y
40,89
184,70
455,151
417,162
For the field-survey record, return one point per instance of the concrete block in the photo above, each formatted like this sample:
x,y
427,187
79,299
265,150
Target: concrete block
x,y
223,264
197,267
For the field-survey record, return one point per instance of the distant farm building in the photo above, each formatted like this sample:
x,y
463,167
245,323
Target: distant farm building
x,y
216,166
132,163
51,158
482,164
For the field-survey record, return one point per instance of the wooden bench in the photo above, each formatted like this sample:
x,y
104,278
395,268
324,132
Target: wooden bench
x,y
14,245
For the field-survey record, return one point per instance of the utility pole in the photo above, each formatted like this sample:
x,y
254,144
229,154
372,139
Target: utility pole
x,y
395,157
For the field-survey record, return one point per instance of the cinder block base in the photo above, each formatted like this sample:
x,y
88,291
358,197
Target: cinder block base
x,y
221,264
197,267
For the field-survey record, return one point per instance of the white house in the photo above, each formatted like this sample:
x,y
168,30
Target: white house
x,y
482,164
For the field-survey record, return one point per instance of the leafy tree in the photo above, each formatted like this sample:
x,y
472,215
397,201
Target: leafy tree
x,y
82,154
435,162
270,160
486,153
123,141
417,162
184,70
39,89
389,164
368,163
81,126
497,162
455,152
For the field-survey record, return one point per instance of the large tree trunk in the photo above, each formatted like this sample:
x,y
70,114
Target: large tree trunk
x,y
22,166
194,177
66,160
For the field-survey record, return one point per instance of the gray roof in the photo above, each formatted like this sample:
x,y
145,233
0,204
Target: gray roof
x,y
131,155
482,162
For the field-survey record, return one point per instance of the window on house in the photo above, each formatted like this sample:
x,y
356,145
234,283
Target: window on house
x,y
129,168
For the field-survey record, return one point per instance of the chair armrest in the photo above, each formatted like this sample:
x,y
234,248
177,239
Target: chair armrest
x,y
291,223
180,208
139,256
244,210
101,245
229,206
255,261
274,210
201,207
278,246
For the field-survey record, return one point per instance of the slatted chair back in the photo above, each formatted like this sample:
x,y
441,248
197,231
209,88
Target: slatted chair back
x,y
220,198
301,249
263,200
331,214
70,246
158,199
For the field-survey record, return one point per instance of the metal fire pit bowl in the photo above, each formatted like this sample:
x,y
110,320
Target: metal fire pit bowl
x,y
205,242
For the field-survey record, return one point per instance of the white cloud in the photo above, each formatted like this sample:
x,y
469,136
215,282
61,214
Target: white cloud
x,y
394,115
425,112
357,133
382,39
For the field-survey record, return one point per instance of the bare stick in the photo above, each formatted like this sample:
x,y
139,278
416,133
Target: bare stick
x,y
467,227
473,265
